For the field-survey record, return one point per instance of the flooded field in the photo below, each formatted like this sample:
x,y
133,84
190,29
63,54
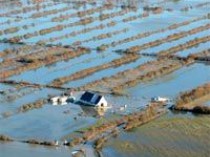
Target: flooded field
x,y
128,52
171,135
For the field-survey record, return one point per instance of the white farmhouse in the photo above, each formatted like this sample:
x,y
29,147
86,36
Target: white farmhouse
x,y
93,99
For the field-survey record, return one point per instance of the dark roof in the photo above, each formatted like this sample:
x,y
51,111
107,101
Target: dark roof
x,y
91,97
87,96
98,99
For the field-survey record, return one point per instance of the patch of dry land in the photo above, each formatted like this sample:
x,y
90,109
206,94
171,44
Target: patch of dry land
x,y
171,135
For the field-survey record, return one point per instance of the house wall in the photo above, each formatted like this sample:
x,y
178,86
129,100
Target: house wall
x,y
102,101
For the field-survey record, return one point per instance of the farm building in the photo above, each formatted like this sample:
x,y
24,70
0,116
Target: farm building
x,y
159,99
93,99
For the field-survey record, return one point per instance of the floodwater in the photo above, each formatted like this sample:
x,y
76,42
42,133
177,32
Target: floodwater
x,y
48,74
171,135
29,150
108,72
172,84
167,86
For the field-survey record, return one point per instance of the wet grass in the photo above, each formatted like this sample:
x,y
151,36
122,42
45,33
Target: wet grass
x,y
171,135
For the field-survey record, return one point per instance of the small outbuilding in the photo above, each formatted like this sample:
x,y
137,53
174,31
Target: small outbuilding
x,y
93,99
159,99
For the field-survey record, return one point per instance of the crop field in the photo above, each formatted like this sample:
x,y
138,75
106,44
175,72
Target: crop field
x,y
127,50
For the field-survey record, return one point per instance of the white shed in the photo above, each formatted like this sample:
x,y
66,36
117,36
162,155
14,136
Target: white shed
x,y
159,99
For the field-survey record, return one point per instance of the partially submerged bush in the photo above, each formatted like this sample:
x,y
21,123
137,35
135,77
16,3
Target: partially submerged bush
x,y
30,106
37,142
5,138
201,110
25,60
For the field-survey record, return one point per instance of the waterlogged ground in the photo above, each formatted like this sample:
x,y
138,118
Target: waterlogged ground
x,y
12,149
171,135
171,85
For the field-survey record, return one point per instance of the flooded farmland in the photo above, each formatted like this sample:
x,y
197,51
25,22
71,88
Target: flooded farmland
x,y
104,78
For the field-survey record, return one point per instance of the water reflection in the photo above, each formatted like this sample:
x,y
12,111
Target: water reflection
x,y
93,112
